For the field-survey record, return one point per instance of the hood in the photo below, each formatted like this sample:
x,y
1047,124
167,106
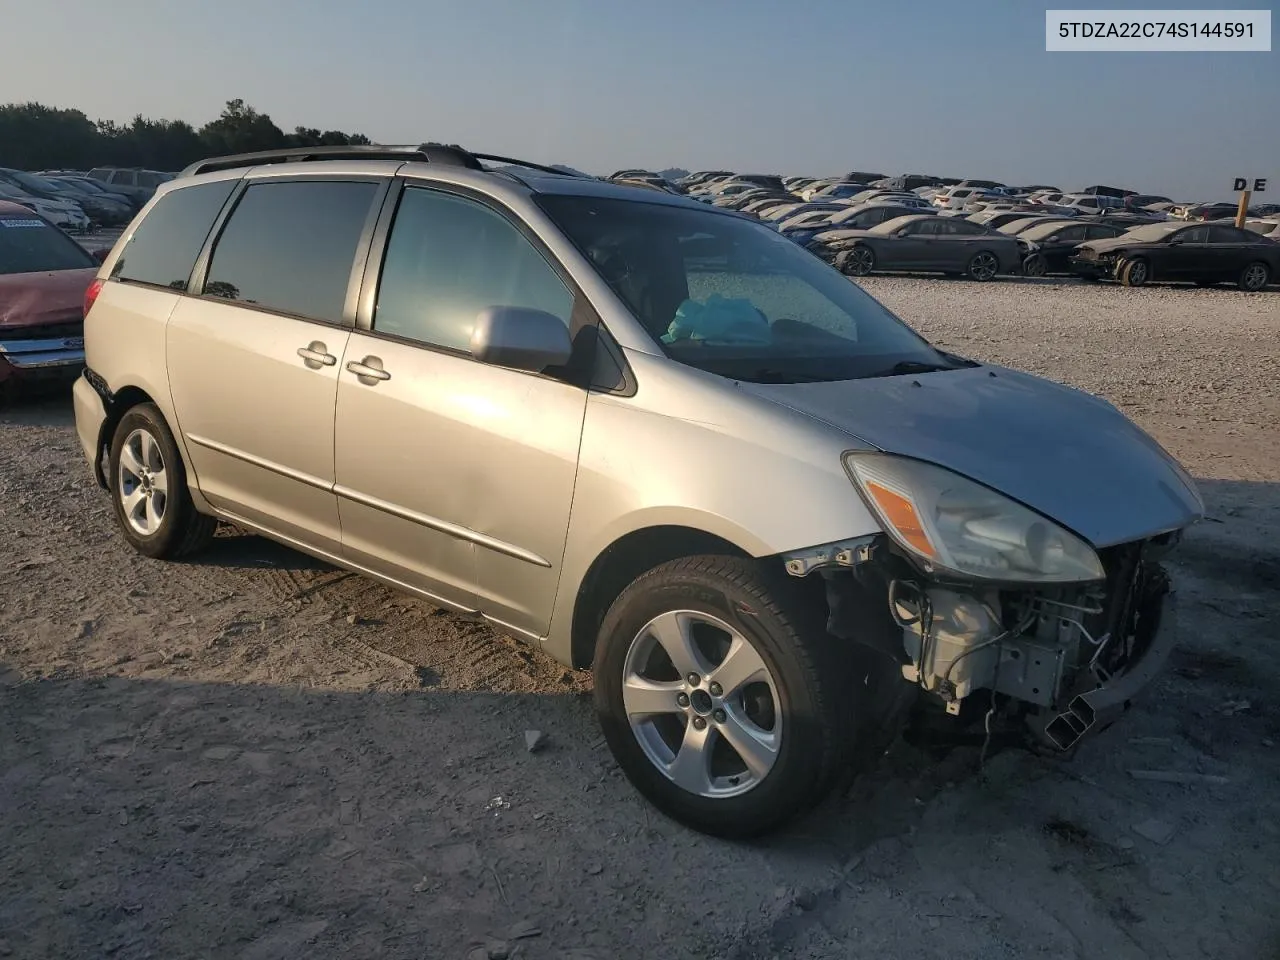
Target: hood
x,y
36,299
834,236
1108,244
1066,454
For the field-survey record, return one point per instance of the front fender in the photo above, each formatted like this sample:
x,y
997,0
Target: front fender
x,y
764,477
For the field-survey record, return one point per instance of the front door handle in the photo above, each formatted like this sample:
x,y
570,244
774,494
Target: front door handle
x,y
369,370
317,355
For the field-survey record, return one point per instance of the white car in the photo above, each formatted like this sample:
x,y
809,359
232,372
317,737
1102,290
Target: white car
x,y
1090,204
957,197
61,213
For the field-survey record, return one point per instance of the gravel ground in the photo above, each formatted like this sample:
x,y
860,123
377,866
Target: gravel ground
x,y
257,756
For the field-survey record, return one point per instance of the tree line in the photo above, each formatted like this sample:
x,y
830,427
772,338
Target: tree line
x,y
38,137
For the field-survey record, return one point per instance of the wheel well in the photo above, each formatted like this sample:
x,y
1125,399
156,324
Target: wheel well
x,y
622,562
122,401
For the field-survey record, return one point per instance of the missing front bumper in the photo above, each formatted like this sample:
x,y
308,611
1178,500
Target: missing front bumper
x,y
1093,710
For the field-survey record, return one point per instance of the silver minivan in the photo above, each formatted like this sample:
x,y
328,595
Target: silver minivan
x,y
647,436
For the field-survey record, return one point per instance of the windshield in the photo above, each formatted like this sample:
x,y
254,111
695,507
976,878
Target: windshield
x,y
1044,229
30,245
1153,231
732,297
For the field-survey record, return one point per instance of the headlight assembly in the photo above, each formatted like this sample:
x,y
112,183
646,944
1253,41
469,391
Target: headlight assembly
x,y
952,524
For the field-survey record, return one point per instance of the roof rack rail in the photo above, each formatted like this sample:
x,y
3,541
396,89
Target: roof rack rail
x,y
447,154
450,155
494,158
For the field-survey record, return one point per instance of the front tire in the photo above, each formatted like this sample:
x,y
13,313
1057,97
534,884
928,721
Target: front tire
x,y
1254,277
858,262
1033,266
149,488
1134,273
983,266
721,695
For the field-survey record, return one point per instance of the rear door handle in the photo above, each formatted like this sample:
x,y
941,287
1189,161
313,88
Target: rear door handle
x,y
317,355
369,370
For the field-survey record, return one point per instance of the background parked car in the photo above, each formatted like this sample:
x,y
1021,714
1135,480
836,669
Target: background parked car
x,y
33,186
839,191
828,237
43,278
1015,228
64,215
1089,204
141,182
1264,227
1205,253
954,198
108,211
1056,243
998,218
111,193
1139,202
925,242
1209,211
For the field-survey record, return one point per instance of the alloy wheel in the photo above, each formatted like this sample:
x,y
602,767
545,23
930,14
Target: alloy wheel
x,y
1255,277
702,704
983,266
142,483
861,260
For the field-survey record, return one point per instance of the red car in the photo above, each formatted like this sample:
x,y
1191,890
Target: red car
x,y
43,278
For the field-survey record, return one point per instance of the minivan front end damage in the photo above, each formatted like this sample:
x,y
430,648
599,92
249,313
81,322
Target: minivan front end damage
x,y
1061,661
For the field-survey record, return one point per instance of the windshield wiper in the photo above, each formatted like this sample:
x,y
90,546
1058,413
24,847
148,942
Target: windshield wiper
x,y
904,367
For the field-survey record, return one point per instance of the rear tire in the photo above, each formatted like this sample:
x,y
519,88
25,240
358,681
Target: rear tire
x,y
726,618
1254,277
1134,273
149,488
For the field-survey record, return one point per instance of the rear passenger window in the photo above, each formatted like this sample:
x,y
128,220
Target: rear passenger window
x,y
447,259
290,247
164,246
1229,235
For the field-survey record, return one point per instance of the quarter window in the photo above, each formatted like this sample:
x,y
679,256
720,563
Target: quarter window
x,y
448,258
164,246
290,247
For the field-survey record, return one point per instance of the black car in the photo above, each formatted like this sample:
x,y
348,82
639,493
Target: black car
x,y
830,238
928,243
1203,253
1056,243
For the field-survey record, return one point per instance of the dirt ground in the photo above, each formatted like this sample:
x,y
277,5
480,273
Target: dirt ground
x,y
255,756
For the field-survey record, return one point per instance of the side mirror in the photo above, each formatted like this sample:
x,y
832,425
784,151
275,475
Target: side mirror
x,y
100,254
520,338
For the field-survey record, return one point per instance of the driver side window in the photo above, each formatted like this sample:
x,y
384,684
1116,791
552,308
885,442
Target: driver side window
x,y
447,259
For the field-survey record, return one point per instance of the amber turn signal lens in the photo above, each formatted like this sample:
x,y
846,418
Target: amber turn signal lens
x,y
901,513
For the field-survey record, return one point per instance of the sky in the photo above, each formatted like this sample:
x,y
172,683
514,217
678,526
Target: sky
x,y
775,86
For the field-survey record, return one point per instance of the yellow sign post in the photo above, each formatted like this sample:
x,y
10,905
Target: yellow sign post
x,y
1241,186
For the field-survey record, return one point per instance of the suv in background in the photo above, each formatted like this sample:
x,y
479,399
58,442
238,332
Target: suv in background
x,y
131,180
645,435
